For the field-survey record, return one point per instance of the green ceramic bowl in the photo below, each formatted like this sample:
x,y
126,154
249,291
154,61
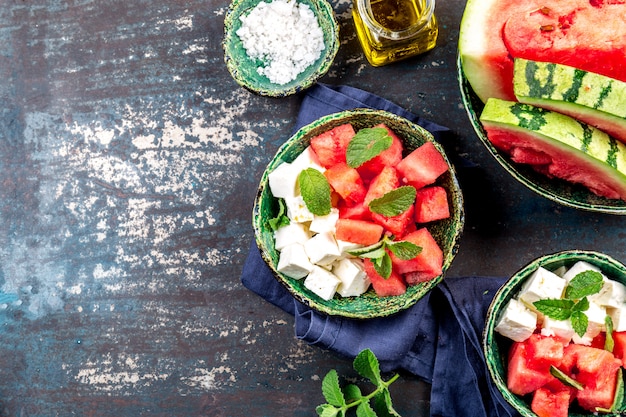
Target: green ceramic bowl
x,y
244,69
446,232
557,190
496,347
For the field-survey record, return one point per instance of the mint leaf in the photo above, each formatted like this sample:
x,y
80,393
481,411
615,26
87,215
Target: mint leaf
x,y
327,410
352,393
315,191
365,410
367,144
579,322
383,265
281,218
404,250
377,253
584,284
383,405
331,389
366,249
394,202
556,309
366,364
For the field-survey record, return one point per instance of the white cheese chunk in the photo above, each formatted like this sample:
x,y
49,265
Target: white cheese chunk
x,y
289,234
577,268
561,329
612,294
282,181
542,284
294,262
596,315
322,249
321,282
345,246
618,316
324,224
307,159
297,210
517,321
354,280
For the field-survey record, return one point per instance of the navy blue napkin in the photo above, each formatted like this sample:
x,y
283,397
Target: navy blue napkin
x,y
438,339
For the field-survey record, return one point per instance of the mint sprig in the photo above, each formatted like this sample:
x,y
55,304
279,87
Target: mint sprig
x,y
315,191
394,202
381,260
339,401
281,218
574,302
366,144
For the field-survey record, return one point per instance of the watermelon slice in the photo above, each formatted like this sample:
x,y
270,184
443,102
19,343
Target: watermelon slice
x,y
590,35
592,98
358,231
431,204
579,153
422,166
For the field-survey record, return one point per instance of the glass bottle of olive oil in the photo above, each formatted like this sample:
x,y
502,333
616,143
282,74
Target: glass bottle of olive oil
x,y
391,30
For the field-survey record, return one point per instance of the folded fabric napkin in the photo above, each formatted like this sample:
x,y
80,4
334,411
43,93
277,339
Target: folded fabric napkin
x,y
438,339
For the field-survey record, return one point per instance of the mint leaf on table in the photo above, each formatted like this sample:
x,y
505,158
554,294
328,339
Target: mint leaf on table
x,y
367,144
394,202
315,191
281,218
339,401
584,284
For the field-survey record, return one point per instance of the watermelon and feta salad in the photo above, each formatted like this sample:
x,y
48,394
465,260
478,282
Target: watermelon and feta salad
x,y
355,213
559,57
568,341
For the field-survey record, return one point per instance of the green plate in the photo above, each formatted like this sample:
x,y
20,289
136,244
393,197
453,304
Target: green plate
x,y
496,347
244,69
562,192
446,232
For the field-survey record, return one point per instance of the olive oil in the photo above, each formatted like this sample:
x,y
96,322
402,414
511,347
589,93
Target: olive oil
x,y
391,30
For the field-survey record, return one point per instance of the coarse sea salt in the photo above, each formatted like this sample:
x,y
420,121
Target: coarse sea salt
x,y
284,35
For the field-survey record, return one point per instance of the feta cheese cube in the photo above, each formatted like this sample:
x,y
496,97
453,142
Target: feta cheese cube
x,y
289,234
344,247
323,224
561,329
307,159
596,315
282,181
577,268
322,249
297,210
618,316
540,285
321,282
354,280
293,261
517,322
612,294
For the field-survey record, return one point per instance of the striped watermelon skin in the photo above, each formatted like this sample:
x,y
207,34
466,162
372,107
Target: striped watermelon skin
x,y
577,152
592,98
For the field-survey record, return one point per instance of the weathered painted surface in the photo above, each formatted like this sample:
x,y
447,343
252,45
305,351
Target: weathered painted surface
x,y
128,165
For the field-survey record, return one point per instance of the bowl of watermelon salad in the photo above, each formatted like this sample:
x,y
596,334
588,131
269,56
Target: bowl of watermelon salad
x,y
555,336
347,232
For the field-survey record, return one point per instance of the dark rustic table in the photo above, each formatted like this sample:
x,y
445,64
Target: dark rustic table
x,y
129,160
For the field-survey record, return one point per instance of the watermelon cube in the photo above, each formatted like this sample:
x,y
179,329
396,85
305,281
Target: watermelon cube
x,y
386,180
358,231
546,403
422,166
544,351
331,145
619,349
346,182
398,225
430,259
357,211
384,287
389,157
431,204
522,378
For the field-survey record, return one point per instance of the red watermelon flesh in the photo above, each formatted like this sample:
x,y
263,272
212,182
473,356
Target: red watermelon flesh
x,y
384,287
562,165
589,35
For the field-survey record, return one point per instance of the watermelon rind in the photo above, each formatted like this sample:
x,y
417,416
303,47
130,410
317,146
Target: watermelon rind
x,y
592,98
599,161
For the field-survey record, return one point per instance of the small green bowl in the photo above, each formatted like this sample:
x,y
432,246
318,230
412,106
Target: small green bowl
x,y
244,69
446,232
496,347
559,191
